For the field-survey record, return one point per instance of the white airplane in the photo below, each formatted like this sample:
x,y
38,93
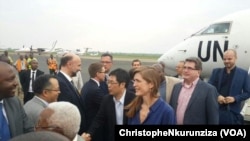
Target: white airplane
x,y
229,32
40,51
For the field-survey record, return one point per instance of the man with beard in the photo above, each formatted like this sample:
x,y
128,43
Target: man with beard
x,y
233,86
13,119
70,64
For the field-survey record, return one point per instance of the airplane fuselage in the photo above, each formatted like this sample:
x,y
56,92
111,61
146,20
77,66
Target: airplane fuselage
x,y
230,32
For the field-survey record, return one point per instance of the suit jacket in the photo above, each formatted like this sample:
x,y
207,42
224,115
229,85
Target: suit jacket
x,y
106,116
19,122
25,79
170,82
33,108
91,96
240,87
70,94
202,107
104,87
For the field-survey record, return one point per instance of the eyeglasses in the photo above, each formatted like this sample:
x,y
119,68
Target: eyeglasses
x,y
52,90
105,62
111,83
189,68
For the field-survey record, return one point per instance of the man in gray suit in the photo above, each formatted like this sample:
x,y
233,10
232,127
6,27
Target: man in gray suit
x,y
16,120
46,89
194,101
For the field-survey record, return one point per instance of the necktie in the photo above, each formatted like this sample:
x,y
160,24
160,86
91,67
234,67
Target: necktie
x,y
119,113
5,131
33,77
75,87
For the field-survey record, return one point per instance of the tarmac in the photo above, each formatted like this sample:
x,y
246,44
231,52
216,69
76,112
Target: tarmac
x,y
124,63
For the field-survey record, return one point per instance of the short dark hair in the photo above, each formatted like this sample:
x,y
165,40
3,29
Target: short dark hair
x,y
107,54
65,59
42,82
196,61
5,59
94,68
121,76
135,60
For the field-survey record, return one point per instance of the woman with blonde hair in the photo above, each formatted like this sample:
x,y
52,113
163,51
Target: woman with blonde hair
x,y
148,108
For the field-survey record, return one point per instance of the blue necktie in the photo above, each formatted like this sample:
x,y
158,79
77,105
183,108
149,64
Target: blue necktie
x,y
4,128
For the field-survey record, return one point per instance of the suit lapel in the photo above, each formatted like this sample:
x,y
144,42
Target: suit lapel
x,y
220,76
68,83
11,119
38,101
175,96
112,111
195,93
128,98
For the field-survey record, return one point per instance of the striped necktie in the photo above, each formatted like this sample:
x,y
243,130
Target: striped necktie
x,y
75,87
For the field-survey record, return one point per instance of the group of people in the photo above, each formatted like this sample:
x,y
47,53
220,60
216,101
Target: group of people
x,y
143,95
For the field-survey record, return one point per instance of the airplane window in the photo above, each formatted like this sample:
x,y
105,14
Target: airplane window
x,y
217,28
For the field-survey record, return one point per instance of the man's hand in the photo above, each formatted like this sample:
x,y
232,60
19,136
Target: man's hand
x,y
229,99
86,136
221,99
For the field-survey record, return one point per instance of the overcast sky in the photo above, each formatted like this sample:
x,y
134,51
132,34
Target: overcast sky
x,y
128,26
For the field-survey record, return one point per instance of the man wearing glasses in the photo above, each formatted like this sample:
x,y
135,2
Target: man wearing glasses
x,y
194,101
112,111
46,89
107,61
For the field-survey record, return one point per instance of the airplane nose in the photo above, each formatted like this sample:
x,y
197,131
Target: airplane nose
x,y
170,63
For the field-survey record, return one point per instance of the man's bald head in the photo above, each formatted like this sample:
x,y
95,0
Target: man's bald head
x,y
8,81
231,51
5,68
229,59
70,64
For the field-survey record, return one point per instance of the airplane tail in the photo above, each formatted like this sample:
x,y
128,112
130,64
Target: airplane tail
x,y
53,46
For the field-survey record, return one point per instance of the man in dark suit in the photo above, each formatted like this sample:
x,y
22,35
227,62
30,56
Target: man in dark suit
x,y
92,95
233,85
107,61
70,64
27,80
11,108
194,101
109,113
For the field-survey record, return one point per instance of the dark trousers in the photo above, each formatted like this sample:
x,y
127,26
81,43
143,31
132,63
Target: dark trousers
x,y
28,96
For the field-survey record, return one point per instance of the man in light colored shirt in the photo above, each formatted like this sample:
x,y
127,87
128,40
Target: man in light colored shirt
x,y
194,101
111,111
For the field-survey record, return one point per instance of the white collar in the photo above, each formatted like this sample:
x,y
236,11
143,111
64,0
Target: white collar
x,y
121,99
67,76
